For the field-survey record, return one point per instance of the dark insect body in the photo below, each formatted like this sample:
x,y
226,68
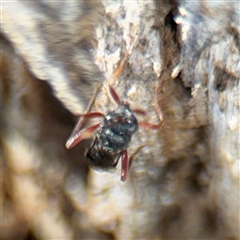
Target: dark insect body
x,y
112,137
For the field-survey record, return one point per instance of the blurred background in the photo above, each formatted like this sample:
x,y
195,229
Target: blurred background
x,y
181,64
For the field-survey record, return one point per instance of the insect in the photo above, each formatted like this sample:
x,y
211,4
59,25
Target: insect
x,y
113,136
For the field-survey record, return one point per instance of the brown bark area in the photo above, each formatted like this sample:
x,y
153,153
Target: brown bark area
x,y
184,180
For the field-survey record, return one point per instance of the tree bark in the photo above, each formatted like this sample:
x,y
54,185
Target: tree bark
x,y
179,61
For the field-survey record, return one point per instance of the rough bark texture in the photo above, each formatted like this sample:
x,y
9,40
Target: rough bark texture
x,y
181,64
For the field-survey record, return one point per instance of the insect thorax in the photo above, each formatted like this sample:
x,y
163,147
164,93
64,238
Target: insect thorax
x,y
117,129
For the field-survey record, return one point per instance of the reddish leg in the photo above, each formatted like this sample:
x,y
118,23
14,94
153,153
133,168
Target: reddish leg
x,y
114,95
82,118
92,115
125,166
77,136
149,125
80,136
139,111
